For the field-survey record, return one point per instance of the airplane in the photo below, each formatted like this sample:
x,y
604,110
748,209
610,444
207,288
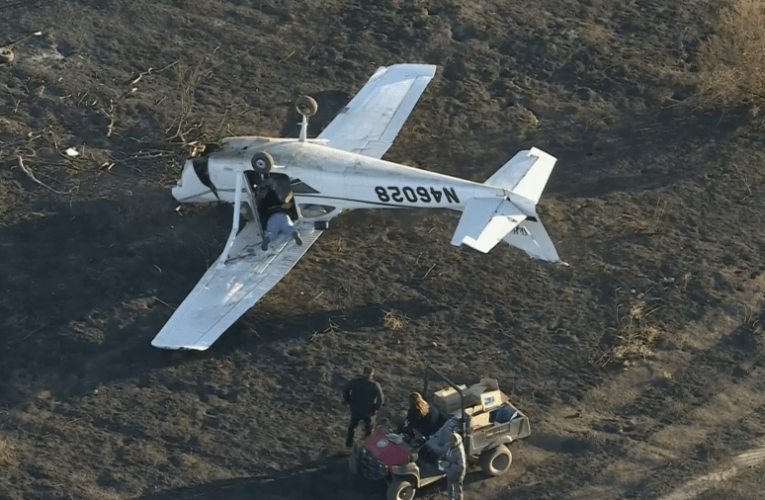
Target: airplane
x,y
305,183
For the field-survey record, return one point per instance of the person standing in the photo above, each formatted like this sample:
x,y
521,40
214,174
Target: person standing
x,y
364,396
453,465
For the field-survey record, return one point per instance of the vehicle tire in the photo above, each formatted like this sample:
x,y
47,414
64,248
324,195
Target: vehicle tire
x,y
262,162
400,489
306,106
496,461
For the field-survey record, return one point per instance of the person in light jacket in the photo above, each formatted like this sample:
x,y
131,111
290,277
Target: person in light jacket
x,y
453,465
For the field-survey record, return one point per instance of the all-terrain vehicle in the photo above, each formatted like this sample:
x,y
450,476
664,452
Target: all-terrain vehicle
x,y
481,414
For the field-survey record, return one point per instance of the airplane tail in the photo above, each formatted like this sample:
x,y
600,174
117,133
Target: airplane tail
x,y
486,221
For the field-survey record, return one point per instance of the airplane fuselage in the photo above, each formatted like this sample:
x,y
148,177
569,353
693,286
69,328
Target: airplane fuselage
x,y
326,177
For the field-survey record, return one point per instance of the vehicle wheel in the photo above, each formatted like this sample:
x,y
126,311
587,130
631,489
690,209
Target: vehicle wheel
x,y
306,105
400,490
496,461
262,162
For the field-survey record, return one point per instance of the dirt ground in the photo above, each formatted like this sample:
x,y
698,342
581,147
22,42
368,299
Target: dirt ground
x,y
640,365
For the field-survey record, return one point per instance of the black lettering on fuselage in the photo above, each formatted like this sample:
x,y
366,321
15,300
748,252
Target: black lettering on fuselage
x,y
451,195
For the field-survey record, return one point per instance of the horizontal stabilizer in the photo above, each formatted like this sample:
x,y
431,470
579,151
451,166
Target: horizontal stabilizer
x,y
485,221
525,175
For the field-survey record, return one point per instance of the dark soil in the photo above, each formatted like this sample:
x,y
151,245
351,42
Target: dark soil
x,y
640,365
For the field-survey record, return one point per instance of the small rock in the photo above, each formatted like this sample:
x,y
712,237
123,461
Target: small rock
x,y
6,55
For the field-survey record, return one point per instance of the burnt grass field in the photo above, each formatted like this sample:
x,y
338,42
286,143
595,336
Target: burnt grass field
x,y
640,365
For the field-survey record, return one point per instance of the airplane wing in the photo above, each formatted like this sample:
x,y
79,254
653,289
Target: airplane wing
x,y
372,120
226,292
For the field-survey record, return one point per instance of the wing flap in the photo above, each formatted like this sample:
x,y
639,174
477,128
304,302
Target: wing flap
x,y
369,124
225,293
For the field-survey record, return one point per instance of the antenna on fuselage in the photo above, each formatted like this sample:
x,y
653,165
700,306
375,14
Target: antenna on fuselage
x,y
306,106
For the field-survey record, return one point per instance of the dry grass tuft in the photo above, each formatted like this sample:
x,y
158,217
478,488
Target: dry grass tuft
x,y
395,321
8,458
637,336
638,343
732,63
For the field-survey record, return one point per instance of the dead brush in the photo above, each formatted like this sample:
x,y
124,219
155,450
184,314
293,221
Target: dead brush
x,y
189,79
339,246
630,224
8,458
395,321
637,335
732,63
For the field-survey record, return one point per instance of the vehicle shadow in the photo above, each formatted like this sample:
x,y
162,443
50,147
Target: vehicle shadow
x,y
331,480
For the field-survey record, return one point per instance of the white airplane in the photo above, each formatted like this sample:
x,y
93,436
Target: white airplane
x,y
288,190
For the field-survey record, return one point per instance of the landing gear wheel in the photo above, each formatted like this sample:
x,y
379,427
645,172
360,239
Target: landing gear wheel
x,y
306,106
262,162
400,490
496,461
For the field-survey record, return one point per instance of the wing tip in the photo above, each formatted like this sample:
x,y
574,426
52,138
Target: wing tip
x,y
170,346
426,70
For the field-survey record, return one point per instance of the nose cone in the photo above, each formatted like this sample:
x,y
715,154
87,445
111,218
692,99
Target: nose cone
x,y
178,188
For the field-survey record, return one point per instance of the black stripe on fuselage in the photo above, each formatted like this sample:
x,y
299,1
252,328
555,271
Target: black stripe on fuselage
x,y
203,173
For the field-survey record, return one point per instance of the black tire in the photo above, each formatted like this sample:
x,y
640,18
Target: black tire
x,y
400,489
353,462
262,162
306,106
496,461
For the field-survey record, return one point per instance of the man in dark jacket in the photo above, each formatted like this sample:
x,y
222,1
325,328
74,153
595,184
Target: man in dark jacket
x,y
364,396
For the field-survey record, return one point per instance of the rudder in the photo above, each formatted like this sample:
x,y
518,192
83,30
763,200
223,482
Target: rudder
x,y
531,237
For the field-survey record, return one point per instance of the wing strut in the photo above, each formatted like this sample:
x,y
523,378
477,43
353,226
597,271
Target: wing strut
x,y
235,227
241,177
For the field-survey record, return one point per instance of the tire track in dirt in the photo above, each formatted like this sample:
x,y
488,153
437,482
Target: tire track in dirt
x,y
647,434
747,460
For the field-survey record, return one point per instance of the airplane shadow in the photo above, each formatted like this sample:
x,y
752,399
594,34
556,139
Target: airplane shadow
x,y
73,282
330,103
87,287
